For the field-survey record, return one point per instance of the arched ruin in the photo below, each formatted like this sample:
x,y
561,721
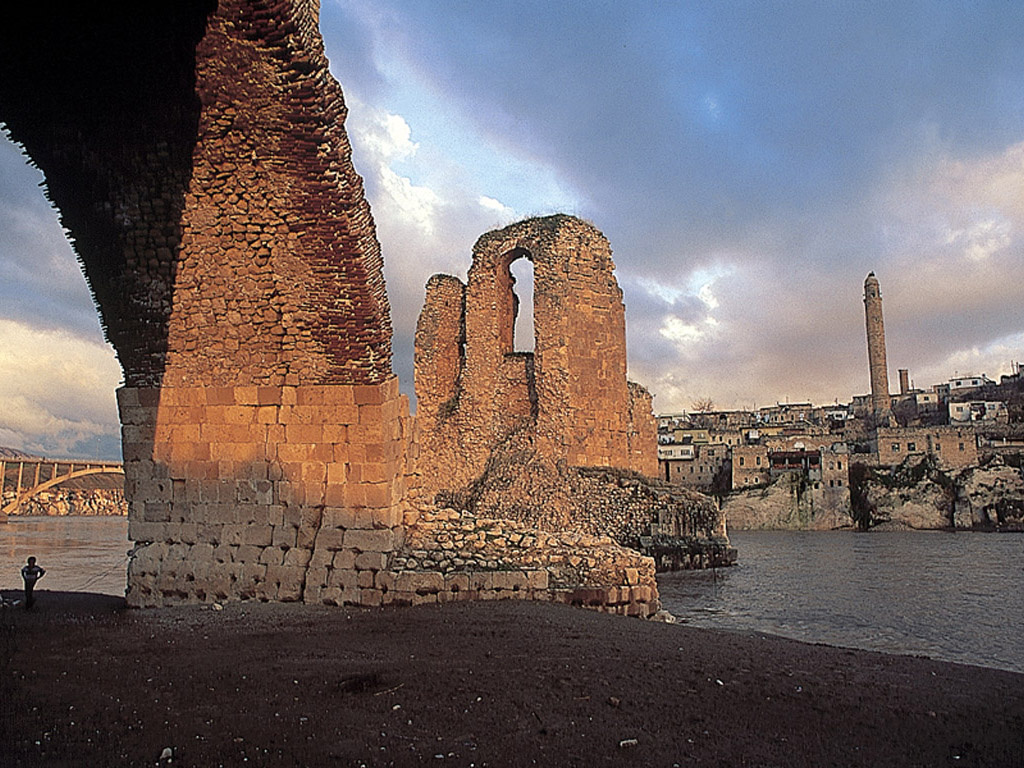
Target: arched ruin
x,y
197,155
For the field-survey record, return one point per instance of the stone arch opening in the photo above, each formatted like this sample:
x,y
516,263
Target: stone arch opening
x,y
509,301
524,334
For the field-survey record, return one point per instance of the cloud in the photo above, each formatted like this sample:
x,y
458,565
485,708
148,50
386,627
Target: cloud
x,y
992,359
386,136
418,205
490,204
748,163
685,334
705,295
431,199
40,279
957,212
57,391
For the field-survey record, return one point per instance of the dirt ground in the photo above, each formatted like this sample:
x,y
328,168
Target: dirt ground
x,y
86,682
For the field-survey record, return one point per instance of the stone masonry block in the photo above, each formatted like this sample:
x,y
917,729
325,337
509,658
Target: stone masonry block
x,y
456,582
258,535
371,561
339,517
345,560
330,539
369,598
297,557
369,394
272,556
381,540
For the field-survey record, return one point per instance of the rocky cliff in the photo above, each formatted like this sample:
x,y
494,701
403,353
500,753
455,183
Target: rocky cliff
x,y
990,497
789,505
922,496
74,501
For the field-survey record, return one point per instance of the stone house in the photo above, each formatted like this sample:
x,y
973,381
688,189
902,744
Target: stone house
x,y
979,410
953,447
750,466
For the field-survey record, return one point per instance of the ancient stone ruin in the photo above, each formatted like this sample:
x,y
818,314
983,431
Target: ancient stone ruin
x,y
556,438
198,158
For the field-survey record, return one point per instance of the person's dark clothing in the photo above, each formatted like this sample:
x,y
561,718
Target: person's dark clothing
x,y
31,574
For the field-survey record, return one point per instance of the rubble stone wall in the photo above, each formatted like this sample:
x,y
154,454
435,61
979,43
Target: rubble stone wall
x,y
451,555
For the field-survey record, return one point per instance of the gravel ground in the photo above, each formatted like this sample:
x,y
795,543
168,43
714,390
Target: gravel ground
x,y
85,681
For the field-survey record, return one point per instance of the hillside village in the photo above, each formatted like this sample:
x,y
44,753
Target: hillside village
x,y
798,465
948,457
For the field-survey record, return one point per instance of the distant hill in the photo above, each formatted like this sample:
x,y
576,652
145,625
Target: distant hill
x,y
13,453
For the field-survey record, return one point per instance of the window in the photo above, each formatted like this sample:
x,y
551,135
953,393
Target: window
x,y
758,461
911,446
961,446
839,465
895,447
741,461
839,483
831,483
522,332
938,446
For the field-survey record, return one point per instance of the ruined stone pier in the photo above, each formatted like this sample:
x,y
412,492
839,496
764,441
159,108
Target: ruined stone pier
x,y
198,158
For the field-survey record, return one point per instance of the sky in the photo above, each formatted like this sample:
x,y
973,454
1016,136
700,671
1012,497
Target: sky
x,y
749,162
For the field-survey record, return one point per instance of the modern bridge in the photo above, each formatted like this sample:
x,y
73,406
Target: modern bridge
x,y
27,477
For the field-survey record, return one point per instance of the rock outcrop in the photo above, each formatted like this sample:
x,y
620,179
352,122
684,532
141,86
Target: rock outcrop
x,y
921,495
60,502
990,497
787,504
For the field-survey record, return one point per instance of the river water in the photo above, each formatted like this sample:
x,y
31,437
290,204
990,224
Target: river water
x,y
79,554
957,597
950,596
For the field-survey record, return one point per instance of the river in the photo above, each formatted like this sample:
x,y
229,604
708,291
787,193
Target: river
x,y
951,596
957,597
79,554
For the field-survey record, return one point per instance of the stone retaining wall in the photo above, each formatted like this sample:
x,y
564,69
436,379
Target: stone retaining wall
x,y
451,555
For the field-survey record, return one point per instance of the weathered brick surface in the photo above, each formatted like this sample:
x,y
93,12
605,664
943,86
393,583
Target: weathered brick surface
x,y
508,435
571,394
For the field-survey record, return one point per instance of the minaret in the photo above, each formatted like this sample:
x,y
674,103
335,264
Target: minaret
x,y
876,346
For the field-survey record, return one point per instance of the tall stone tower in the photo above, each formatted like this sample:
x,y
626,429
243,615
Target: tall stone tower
x,y
880,405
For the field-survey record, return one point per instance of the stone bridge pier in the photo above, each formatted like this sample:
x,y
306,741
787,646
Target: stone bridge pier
x,y
197,155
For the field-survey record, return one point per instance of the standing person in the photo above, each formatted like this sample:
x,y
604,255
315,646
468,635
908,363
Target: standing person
x,y
31,573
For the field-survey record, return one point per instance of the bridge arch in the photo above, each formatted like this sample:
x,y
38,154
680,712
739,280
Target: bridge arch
x,y
72,470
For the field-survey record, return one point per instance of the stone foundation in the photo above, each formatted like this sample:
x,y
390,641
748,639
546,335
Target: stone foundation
x,y
452,555
261,492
